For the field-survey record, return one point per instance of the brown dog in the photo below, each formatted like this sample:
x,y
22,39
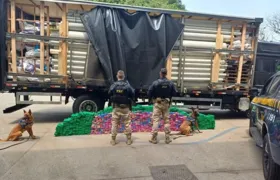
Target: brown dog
x,y
23,125
195,115
187,127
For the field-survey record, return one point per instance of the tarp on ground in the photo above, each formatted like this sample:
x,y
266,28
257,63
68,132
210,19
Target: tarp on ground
x,y
136,43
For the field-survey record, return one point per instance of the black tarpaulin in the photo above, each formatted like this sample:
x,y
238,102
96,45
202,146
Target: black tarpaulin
x,y
136,43
3,30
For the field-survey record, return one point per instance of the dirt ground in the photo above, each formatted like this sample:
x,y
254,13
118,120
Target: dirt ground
x,y
224,153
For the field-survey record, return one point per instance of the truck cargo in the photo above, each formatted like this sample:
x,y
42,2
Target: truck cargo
x,y
74,49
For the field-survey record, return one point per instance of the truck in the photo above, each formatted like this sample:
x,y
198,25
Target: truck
x,y
73,49
267,63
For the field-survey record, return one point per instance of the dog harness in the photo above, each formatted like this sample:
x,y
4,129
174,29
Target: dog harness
x,y
23,123
191,119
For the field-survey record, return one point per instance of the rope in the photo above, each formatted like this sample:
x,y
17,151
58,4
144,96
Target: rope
x,y
15,144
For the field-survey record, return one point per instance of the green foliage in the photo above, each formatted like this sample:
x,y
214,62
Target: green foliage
x,y
164,4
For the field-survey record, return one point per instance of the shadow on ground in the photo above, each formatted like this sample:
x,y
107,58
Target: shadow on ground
x,y
50,115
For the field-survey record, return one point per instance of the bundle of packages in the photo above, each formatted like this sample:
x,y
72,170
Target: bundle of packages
x,y
77,124
140,122
34,53
29,65
237,45
100,122
27,26
206,121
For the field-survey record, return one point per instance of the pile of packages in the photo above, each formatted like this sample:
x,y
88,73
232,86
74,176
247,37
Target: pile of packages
x,y
100,123
28,50
140,122
77,124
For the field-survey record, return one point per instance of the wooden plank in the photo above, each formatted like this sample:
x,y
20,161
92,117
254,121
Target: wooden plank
x,y
64,48
48,34
13,30
42,33
21,42
232,37
8,42
252,57
217,57
169,66
240,65
59,53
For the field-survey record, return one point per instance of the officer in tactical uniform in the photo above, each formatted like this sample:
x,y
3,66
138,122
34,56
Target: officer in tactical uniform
x,y
161,92
121,96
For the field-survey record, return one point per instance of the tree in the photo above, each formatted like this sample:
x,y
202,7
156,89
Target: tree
x,y
165,4
263,35
274,23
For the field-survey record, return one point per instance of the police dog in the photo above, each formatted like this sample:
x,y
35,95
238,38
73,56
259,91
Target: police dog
x,y
194,115
23,125
187,127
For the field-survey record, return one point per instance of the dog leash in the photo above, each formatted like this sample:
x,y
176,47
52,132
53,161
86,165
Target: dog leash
x,y
15,144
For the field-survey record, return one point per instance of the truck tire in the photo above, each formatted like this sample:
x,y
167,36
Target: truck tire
x,y
88,103
271,170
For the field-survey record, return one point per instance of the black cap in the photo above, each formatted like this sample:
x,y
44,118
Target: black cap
x,y
163,71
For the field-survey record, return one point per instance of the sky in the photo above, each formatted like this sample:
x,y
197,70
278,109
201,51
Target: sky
x,y
245,8
242,8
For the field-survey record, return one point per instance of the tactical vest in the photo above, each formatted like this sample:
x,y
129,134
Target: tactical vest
x,y
163,89
120,94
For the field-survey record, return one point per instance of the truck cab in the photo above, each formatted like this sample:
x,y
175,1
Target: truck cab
x,y
264,126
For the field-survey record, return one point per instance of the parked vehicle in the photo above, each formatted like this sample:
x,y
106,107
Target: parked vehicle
x,y
267,62
63,48
265,126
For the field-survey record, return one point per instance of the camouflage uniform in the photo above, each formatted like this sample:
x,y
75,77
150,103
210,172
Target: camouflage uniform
x,y
121,108
121,115
159,91
161,110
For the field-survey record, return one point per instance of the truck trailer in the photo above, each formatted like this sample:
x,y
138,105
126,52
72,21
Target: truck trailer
x,y
74,48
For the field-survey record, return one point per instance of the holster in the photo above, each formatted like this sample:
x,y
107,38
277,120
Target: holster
x,y
130,104
158,100
110,102
150,101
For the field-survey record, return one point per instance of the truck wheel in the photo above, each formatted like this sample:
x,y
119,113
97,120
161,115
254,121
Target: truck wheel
x,y
88,103
271,170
